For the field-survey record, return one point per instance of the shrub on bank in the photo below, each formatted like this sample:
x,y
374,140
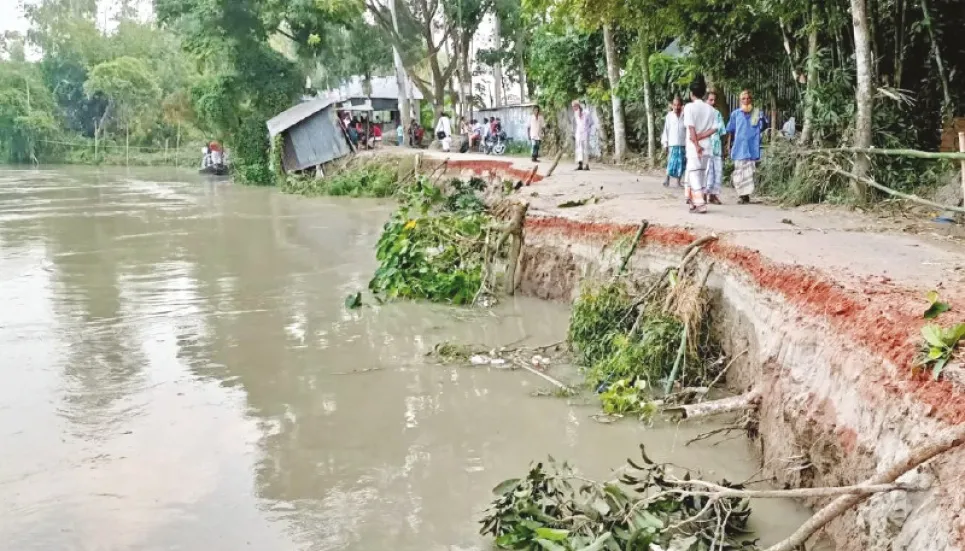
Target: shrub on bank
x,y
435,246
371,180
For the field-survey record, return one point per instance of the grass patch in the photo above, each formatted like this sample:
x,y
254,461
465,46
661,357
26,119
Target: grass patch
x,y
369,180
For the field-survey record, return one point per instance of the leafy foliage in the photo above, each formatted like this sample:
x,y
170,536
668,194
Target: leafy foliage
x,y
371,180
626,396
555,509
433,247
648,356
26,113
600,316
566,64
935,306
939,346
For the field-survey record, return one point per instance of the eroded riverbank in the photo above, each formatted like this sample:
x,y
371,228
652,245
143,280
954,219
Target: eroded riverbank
x,y
181,373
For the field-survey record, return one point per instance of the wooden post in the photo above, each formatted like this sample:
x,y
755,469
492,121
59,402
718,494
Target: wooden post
x,y
961,149
127,147
177,145
556,161
95,141
166,141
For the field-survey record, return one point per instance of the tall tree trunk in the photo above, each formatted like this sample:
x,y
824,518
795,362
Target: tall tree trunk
x,y
789,50
466,79
498,67
937,54
613,73
644,45
812,76
899,43
401,79
521,64
865,95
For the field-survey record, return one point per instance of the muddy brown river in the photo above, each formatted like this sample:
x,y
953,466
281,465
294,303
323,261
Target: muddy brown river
x,y
179,372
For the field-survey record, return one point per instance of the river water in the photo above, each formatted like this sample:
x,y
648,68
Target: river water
x,y
180,373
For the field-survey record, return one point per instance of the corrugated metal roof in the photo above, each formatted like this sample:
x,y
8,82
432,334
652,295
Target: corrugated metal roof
x,y
382,88
286,119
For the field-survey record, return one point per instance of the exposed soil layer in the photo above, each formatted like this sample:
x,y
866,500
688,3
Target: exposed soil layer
x,y
835,354
503,169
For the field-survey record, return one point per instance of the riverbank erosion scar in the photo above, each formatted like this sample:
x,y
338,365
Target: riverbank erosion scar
x,y
832,356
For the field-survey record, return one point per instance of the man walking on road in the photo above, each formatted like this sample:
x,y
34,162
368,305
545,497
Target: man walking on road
x,y
444,132
673,139
715,166
535,131
700,119
745,128
583,126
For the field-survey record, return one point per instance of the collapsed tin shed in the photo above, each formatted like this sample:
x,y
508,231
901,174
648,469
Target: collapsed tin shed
x,y
311,134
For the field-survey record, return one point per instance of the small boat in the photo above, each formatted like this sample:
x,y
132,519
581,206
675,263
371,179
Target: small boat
x,y
215,170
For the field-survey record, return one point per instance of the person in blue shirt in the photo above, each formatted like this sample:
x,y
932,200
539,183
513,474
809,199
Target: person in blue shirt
x,y
745,129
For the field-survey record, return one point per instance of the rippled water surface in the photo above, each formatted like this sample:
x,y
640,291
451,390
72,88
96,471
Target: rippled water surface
x,y
179,372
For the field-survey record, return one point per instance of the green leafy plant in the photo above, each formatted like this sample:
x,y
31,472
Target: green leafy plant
x,y
370,180
433,247
624,397
935,306
939,347
600,315
648,356
353,301
555,509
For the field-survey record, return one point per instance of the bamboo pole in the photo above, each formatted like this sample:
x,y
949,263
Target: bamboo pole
x,y
912,198
127,147
177,146
891,152
961,148
633,246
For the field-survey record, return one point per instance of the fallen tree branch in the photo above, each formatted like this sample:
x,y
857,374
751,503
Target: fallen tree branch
x,y
946,440
719,492
717,407
905,196
699,243
891,152
542,375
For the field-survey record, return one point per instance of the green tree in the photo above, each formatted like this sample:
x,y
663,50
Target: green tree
x,y
128,85
27,113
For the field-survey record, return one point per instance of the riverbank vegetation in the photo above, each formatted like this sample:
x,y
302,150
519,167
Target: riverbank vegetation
x,y
555,509
75,92
852,73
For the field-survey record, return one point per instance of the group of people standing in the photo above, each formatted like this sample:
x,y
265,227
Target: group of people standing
x,y
361,132
693,138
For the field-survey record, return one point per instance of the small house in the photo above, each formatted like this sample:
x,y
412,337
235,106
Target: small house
x,y
382,99
311,135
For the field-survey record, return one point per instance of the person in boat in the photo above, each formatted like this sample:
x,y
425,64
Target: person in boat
x,y
217,155
205,157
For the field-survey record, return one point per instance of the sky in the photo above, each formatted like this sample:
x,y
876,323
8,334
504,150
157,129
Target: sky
x,y
11,16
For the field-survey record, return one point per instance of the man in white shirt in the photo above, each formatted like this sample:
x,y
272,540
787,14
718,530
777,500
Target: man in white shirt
x,y
582,128
535,131
444,132
700,119
673,138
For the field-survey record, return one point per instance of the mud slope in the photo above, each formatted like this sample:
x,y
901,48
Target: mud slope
x,y
834,357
